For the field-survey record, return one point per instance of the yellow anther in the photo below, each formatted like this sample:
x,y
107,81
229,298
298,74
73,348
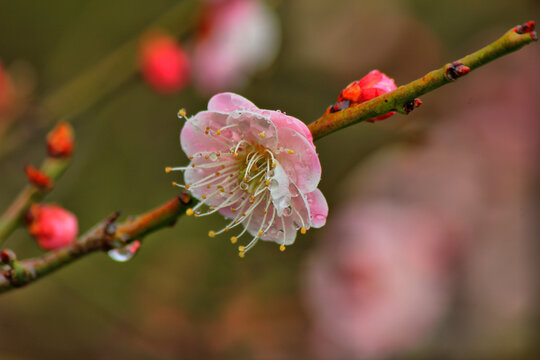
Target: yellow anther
x,y
282,247
262,134
233,209
174,183
192,165
168,169
212,208
182,112
211,233
267,183
274,164
187,186
204,196
208,186
303,231
218,173
191,158
244,214
218,132
227,229
245,179
189,212
234,239
252,197
196,215
207,157
290,151
260,232
235,154
241,248
218,154
241,254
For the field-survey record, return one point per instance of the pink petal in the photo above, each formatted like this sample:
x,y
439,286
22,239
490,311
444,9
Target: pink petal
x,y
277,232
227,102
194,140
282,120
254,127
303,166
318,208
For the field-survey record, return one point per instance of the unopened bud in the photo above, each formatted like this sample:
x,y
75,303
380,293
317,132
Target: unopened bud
x,y
60,141
38,178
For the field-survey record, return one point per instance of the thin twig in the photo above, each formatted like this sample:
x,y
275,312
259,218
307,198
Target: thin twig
x,y
105,77
401,99
104,236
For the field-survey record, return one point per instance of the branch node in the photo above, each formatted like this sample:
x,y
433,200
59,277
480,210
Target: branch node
x,y
8,256
456,70
184,197
411,105
525,28
340,105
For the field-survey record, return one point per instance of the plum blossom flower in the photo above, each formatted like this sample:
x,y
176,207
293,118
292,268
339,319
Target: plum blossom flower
x,y
52,226
164,64
236,38
257,167
380,283
374,84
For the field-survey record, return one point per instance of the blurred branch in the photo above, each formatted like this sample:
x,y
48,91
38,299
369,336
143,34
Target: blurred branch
x,y
13,217
104,236
105,77
403,99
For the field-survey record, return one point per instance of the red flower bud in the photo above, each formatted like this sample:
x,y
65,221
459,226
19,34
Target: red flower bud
x,y
60,141
370,86
52,226
164,64
37,178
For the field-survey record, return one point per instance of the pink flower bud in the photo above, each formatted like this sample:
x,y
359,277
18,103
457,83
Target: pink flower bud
x,y
164,64
52,226
370,86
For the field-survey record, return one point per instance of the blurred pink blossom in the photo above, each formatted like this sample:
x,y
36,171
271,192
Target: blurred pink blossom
x,y
164,64
236,38
378,285
257,167
52,226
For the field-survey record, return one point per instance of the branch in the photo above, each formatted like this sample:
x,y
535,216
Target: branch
x,y
53,168
104,236
402,99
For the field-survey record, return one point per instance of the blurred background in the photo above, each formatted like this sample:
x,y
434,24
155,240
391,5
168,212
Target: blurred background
x,y
430,249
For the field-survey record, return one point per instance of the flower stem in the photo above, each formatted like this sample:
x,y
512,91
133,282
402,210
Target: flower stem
x,y
14,215
400,99
104,236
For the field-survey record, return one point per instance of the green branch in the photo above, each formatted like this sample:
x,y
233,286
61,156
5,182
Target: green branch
x,y
104,236
402,99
